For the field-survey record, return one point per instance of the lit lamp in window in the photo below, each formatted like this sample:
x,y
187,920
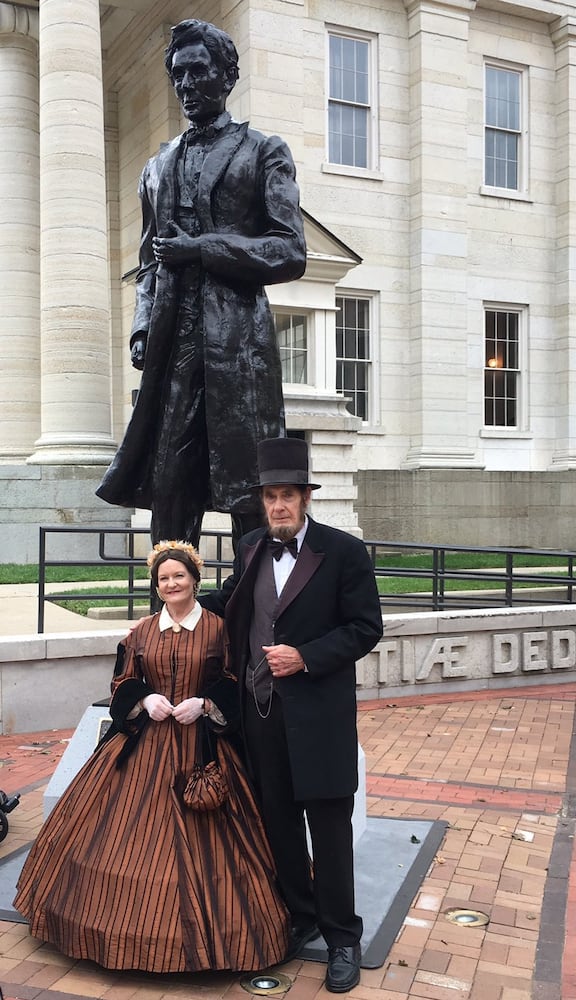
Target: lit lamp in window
x,y
494,362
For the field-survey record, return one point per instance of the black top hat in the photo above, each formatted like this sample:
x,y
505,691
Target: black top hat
x,y
283,461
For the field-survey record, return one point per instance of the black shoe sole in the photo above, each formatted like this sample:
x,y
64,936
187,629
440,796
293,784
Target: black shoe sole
x,y
343,989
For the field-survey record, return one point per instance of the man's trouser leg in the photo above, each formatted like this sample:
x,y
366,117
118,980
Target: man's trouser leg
x,y
330,823
283,817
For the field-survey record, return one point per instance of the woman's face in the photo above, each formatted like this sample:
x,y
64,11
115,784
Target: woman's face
x,y
176,584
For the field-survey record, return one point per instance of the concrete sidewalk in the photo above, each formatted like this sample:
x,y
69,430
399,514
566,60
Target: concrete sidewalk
x,y
19,611
500,769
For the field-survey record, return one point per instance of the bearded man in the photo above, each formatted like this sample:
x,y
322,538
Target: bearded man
x,y
309,594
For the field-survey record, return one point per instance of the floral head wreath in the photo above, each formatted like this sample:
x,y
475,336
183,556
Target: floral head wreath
x,y
169,546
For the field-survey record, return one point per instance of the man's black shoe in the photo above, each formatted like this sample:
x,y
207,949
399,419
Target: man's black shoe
x,y
299,936
343,969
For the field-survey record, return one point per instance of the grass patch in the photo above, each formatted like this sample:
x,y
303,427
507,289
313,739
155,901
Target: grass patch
x,y
14,573
422,585
466,560
107,597
80,607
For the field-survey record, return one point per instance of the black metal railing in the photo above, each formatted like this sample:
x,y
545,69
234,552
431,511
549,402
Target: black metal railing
x,y
510,585
437,585
125,559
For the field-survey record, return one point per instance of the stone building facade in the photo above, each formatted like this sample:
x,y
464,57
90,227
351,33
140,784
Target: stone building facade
x,y
429,351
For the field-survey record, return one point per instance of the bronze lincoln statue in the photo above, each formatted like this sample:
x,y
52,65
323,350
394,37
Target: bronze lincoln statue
x,y
221,219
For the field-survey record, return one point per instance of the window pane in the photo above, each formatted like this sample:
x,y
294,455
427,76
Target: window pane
x,y
501,156
353,352
503,126
349,66
335,79
334,133
360,154
501,374
348,53
349,101
350,349
291,333
350,312
335,51
299,329
347,147
348,135
502,98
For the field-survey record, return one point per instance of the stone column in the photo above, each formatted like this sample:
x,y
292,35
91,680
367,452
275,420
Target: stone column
x,y
438,46
563,34
19,234
75,311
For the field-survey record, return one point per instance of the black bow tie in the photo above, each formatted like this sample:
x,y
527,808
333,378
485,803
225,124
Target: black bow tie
x,y
278,548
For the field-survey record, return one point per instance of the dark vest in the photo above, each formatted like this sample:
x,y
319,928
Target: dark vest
x,y
265,611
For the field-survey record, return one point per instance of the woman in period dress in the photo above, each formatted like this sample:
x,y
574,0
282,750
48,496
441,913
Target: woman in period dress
x,y
123,872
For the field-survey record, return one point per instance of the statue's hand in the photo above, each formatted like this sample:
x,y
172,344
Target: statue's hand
x,y
177,249
138,352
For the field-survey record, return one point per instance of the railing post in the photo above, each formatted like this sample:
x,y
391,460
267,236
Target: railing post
x,y
509,580
435,604
441,578
131,576
41,579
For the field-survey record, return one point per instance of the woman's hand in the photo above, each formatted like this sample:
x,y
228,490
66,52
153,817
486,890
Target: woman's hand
x,y
188,710
157,706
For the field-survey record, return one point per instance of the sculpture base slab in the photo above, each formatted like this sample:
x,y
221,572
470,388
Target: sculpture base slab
x,y
389,870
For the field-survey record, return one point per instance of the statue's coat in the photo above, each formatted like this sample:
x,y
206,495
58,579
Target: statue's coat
x,y
250,221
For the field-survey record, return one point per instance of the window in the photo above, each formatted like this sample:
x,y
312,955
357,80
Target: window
x,y
502,367
353,353
292,336
503,115
349,100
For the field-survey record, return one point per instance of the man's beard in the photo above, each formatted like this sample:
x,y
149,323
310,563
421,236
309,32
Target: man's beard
x,y
285,532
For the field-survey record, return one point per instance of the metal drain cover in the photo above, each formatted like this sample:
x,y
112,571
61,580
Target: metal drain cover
x,y
266,984
467,918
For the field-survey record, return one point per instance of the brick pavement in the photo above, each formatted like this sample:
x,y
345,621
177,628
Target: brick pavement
x,y
500,769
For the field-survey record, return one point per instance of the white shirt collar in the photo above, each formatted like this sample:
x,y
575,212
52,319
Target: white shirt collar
x,y
283,567
189,622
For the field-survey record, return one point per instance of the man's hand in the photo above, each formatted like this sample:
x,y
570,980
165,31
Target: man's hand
x,y
283,660
177,249
138,352
157,706
188,710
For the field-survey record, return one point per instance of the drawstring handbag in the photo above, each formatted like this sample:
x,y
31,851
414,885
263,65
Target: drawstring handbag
x,y
206,788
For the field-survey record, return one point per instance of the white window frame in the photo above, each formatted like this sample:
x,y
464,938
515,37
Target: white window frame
x,y
334,166
521,371
521,189
309,320
371,363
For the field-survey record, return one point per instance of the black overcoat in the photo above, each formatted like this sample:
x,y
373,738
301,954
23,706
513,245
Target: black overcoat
x,y
330,612
252,235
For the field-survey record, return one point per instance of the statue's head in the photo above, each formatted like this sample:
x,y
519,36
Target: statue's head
x,y
202,63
